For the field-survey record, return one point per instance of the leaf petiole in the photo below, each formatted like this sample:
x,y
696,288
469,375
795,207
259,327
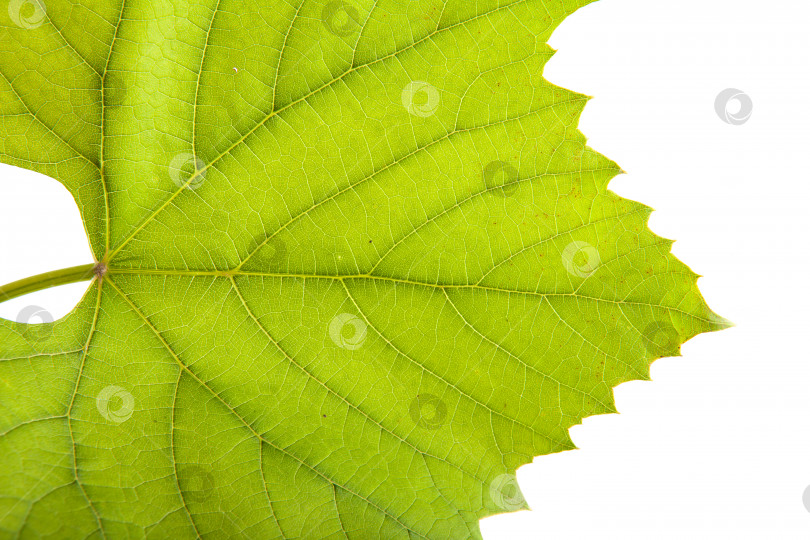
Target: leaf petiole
x,y
47,280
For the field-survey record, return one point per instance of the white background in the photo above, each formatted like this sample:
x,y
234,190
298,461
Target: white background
x,y
718,445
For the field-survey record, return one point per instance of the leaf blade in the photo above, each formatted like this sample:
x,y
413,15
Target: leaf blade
x,y
352,311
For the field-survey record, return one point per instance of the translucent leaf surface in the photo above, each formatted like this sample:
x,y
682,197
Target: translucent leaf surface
x,y
360,266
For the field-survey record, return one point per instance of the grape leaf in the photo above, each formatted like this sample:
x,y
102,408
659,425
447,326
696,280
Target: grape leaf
x,y
355,265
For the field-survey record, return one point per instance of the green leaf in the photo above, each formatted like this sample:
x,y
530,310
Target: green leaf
x,y
355,265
